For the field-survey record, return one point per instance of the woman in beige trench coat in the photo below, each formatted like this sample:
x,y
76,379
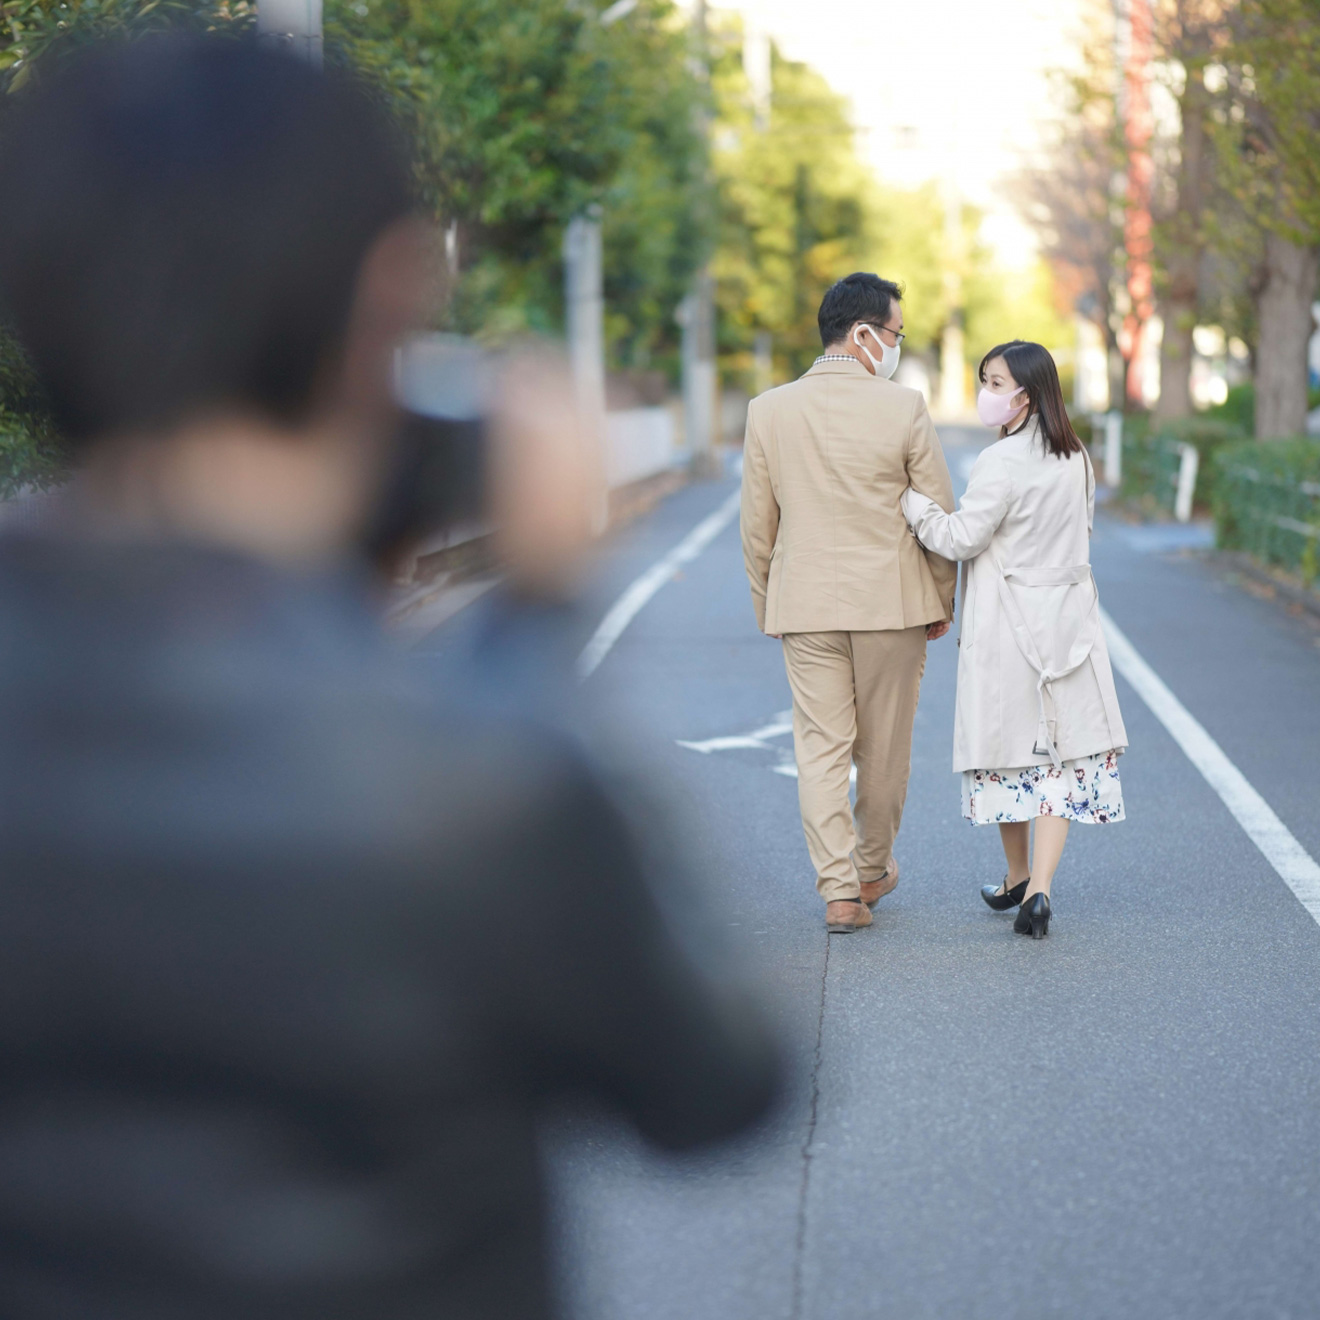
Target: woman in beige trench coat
x,y
1038,731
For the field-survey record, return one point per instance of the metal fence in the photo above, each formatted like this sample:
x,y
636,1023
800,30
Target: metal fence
x,y
1151,467
1273,518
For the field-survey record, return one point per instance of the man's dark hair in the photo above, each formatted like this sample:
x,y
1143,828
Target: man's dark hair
x,y
184,222
858,297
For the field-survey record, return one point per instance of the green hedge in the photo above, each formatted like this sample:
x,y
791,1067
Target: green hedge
x,y
1151,457
1240,407
1267,502
30,454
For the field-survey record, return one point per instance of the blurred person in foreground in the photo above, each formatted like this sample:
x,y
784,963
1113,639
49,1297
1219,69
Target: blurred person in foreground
x,y
291,957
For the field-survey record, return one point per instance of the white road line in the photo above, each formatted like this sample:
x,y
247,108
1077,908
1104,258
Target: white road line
x,y
735,743
790,769
629,605
1296,867
756,739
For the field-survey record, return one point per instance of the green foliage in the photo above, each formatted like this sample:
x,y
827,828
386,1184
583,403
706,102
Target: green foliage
x,y
796,208
1151,457
1267,502
33,35
523,116
799,208
1268,119
1239,408
1003,305
30,453
34,31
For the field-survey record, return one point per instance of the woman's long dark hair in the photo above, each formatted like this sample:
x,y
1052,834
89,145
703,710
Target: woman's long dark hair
x,y
1034,370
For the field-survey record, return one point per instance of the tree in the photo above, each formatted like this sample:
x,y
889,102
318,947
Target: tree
x,y
520,116
523,116
1189,33
1266,123
796,207
799,208
1070,198
33,34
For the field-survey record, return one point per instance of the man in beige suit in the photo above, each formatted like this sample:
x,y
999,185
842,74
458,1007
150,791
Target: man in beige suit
x,y
835,572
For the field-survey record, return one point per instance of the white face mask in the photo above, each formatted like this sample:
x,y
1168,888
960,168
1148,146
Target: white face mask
x,y
889,356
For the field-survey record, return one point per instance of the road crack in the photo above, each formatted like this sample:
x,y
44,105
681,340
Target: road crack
x,y
809,1142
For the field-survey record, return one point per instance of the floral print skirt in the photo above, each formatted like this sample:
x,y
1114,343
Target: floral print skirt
x,y
1085,790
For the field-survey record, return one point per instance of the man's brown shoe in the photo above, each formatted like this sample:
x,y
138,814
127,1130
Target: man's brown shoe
x,y
845,915
874,890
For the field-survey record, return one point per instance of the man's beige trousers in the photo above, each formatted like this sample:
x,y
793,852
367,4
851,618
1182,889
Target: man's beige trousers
x,y
854,701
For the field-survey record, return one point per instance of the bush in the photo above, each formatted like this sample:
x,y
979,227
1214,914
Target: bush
x,y
1239,409
1151,456
30,453
1267,502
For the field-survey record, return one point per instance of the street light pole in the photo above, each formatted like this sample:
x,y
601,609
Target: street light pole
x,y
293,25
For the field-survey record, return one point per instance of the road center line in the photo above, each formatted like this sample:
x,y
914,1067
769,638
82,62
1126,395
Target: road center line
x,y
1296,867
629,605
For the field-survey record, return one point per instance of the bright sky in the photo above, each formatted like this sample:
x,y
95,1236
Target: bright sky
x,y
939,88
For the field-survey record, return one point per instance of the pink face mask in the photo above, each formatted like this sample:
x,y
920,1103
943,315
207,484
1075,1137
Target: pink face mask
x,y
996,409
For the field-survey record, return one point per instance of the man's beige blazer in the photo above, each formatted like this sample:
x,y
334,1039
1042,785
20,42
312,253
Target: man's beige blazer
x,y
826,461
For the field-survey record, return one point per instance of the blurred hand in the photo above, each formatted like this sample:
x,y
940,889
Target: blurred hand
x,y
547,473
934,631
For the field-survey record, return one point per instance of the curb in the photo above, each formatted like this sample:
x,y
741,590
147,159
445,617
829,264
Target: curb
x,y
1284,587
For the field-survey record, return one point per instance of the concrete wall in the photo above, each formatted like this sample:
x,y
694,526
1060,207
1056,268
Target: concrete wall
x,y
639,442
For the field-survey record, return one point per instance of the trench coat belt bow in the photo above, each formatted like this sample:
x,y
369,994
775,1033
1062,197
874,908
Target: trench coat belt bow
x,y
1080,644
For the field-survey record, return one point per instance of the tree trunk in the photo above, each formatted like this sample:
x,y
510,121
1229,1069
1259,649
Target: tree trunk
x,y
1176,357
1181,299
1283,308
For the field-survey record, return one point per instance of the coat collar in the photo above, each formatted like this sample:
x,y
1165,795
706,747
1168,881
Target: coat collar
x,y
837,367
1028,434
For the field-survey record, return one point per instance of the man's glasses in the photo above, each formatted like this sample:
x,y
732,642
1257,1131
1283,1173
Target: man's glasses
x,y
898,334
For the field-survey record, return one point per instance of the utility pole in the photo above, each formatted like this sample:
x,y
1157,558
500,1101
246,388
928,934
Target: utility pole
x,y
696,315
584,299
293,25
758,67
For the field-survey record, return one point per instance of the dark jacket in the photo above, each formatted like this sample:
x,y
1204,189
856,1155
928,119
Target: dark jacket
x,y
291,956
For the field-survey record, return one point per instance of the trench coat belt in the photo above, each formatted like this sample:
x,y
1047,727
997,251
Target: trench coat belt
x,y
1079,649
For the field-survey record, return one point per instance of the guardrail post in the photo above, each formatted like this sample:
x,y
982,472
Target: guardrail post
x,y
1114,448
1188,465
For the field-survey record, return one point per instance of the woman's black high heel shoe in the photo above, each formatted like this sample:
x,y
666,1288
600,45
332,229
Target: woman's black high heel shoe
x,y
1001,898
1033,917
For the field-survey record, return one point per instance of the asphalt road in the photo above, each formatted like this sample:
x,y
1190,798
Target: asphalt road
x,y
1120,1120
